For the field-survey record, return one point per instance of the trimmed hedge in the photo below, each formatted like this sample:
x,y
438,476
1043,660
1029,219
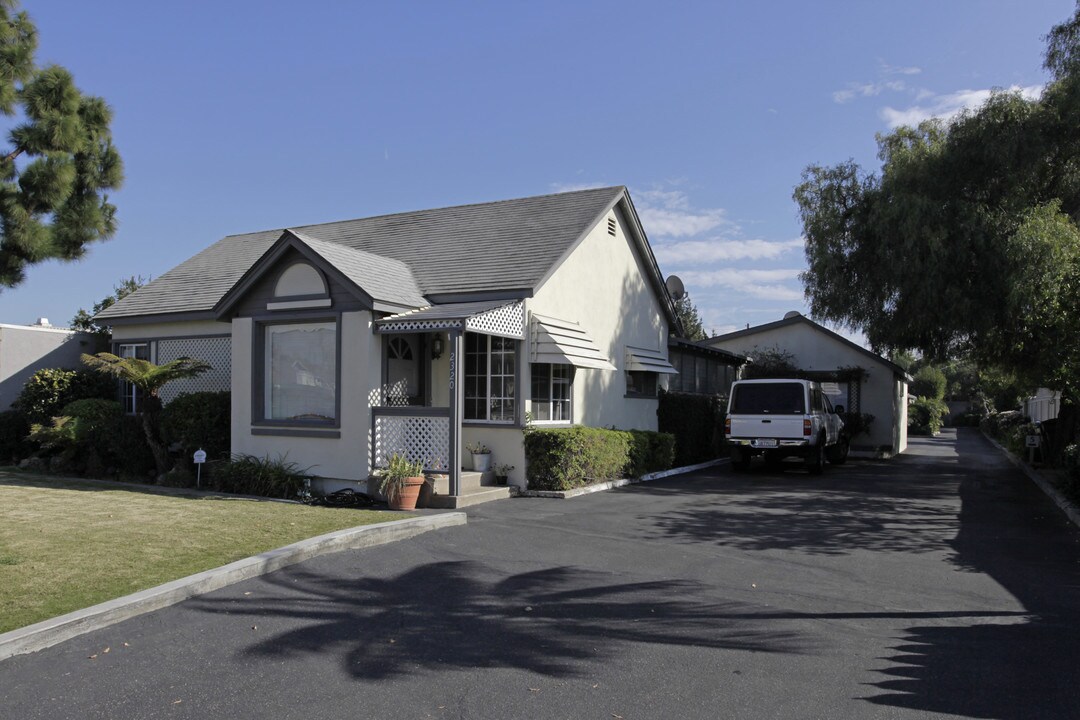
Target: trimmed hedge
x,y
565,458
650,452
697,424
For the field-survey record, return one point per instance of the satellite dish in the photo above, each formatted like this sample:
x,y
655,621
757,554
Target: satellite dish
x,y
675,287
791,314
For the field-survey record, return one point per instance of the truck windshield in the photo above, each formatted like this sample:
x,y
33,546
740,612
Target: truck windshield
x,y
762,398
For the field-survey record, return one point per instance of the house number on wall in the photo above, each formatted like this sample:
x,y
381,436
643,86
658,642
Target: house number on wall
x,y
453,363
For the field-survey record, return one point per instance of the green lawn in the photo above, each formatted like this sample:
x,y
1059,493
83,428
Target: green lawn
x,y
68,544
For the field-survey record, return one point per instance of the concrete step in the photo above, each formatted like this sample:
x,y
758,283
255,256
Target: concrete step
x,y
470,497
469,481
475,488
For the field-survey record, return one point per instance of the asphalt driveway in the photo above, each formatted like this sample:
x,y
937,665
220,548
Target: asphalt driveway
x,y
938,584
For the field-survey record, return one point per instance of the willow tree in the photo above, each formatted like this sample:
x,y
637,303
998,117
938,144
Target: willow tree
x,y
966,241
59,163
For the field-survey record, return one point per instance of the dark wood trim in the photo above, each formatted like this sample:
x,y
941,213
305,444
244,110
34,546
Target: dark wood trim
x,y
258,369
192,316
297,433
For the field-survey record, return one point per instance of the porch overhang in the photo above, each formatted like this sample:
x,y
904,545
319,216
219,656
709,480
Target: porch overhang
x,y
504,318
646,360
561,342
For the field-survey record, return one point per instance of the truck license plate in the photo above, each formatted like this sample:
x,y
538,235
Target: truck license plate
x,y
765,442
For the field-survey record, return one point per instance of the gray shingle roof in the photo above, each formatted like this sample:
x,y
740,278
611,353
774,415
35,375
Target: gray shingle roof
x,y
510,244
381,277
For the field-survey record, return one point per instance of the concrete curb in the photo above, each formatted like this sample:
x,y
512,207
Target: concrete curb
x,y
56,630
1066,505
612,484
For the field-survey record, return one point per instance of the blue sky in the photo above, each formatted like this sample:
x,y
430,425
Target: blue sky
x,y
242,116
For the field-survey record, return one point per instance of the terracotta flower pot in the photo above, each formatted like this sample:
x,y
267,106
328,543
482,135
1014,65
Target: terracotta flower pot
x,y
405,497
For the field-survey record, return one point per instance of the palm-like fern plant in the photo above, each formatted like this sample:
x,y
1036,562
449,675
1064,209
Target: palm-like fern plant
x,y
149,378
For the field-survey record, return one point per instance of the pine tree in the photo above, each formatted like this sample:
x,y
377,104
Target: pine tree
x,y
61,160
691,320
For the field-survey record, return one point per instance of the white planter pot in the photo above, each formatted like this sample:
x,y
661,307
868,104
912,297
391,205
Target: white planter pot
x,y
481,462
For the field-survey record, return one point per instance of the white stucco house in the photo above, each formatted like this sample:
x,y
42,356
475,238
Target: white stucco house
x,y
420,332
858,379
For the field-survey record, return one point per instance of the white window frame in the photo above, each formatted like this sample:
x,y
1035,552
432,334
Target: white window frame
x,y
129,392
487,377
549,401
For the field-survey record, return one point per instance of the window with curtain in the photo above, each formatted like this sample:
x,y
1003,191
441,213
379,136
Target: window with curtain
x,y
551,392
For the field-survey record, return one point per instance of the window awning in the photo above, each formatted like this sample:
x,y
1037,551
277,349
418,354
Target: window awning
x,y
561,342
505,318
648,361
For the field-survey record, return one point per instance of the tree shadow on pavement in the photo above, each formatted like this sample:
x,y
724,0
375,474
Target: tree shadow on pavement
x,y
1010,668
466,615
864,505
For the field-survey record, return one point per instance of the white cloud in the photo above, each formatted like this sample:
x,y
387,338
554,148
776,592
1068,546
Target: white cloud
x,y
867,90
948,106
764,284
887,69
703,251
667,213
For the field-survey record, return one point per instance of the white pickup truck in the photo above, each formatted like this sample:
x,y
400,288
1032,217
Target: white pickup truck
x,y
780,418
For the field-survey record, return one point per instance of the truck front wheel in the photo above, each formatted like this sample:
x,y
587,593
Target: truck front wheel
x,y
838,453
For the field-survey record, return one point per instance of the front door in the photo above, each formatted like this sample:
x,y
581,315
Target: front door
x,y
404,363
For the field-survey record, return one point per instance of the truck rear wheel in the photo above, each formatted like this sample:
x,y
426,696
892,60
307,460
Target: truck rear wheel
x,y
740,460
815,461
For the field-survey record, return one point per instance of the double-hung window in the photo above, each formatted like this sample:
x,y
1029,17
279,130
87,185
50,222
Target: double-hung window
x,y
130,396
300,372
490,378
551,392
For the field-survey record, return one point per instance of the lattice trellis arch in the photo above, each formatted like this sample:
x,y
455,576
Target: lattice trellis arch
x,y
217,351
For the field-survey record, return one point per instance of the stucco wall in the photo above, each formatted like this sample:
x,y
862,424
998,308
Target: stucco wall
x,y
882,395
602,286
25,350
347,457
153,331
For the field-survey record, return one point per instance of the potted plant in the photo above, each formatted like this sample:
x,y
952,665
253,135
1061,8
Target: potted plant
x,y
481,456
502,474
400,481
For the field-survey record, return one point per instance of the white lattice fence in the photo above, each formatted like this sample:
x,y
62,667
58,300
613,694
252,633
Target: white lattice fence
x,y
425,438
214,350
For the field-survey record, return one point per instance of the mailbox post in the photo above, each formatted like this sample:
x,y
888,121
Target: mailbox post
x,y
200,458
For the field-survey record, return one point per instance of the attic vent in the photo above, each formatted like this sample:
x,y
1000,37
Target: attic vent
x,y
611,227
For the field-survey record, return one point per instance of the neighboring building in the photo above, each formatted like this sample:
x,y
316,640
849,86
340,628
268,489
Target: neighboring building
x,y
25,349
858,379
1043,405
702,369
419,332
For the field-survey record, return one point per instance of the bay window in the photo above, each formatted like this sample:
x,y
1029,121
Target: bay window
x,y
490,378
